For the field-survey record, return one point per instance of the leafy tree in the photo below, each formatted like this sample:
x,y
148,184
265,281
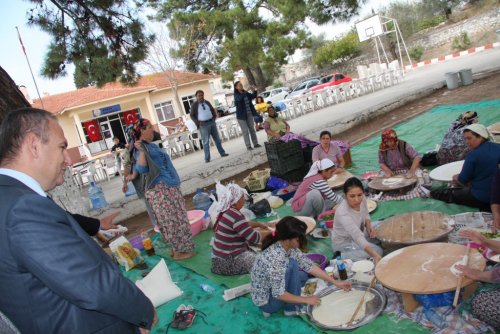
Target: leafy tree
x,y
255,36
103,38
443,7
338,50
417,52
323,11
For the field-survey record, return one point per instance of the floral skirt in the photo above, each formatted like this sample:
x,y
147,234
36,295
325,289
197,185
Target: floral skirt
x,y
170,212
238,265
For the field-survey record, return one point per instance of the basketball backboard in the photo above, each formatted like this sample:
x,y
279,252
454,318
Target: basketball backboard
x,y
369,28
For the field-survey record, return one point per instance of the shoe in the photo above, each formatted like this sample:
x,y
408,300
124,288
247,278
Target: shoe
x,y
249,148
207,161
224,155
291,313
257,146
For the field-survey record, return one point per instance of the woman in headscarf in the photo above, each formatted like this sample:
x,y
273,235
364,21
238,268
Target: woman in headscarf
x,y
314,195
454,147
396,156
278,129
161,186
245,113
476,177
230,253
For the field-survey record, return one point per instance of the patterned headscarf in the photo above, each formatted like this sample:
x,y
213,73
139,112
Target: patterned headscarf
x,y
320,165
227,196
387,135
139,126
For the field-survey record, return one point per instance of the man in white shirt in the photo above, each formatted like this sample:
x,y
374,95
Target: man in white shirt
x,y
204,115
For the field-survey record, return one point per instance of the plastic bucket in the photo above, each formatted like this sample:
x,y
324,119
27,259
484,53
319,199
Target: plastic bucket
x,y
451,80
466,76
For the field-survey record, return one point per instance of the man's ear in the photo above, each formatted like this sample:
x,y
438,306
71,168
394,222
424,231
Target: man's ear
x,y
33,145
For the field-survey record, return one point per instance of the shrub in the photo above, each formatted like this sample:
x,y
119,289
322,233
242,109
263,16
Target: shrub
x,y
430,22
416,52
461,42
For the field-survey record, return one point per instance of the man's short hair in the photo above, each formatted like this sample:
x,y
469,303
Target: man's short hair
x,y
199,91
17,125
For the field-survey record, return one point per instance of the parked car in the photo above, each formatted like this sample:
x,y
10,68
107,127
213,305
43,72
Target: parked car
x,y
222,111
232,108
334,79
275,95
302,88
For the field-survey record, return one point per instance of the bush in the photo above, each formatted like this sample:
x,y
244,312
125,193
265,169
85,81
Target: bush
x,y
430,22
277,83
461,42
416,52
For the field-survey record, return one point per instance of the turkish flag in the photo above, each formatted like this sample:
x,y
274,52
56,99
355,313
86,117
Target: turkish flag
x,y
130,117
92,128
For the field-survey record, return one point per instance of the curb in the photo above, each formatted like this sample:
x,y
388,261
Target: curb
x,y
453,55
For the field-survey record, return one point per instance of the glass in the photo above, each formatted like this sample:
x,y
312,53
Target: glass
x,y
148,246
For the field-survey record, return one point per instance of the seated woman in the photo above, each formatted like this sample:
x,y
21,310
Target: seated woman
x,y
230,253
276,279
278,129
328,149
352,225
397,156
454,147
261,108
476,177
314,196
484,304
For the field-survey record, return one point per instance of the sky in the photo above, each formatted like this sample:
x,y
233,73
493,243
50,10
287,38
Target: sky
x,y
13,61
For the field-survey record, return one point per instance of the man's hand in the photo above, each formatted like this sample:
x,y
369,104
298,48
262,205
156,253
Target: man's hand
x,y
107,221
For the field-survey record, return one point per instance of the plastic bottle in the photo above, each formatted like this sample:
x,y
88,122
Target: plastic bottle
x,y
207,288
201,200
96,196
426,177
342,271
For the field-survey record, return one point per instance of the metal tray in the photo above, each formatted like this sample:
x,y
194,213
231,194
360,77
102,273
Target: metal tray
x,y
373,308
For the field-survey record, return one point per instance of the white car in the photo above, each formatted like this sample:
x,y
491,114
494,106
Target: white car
x,y
302,88
275,95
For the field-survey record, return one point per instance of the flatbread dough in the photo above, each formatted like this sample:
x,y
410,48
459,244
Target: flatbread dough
x,y
362,266
391,181
337,308
454,270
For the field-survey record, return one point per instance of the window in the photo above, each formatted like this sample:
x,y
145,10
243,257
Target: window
x,y
164,111
187,101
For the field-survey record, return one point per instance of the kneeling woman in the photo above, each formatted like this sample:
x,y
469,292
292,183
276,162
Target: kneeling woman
x,y
352,225
396,156
276,279
230,253
314,195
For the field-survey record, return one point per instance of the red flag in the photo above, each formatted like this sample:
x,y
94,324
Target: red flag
x,y
92,128
130,117
21,41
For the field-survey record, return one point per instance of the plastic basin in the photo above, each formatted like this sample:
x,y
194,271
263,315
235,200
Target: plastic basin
x,y
196,221
318,259
136,242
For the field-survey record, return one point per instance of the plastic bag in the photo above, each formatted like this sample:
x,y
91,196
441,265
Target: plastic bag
x,y
261,208
249,215
275,202
276,183
125,254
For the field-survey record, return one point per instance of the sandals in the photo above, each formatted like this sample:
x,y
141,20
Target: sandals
x,y
184,317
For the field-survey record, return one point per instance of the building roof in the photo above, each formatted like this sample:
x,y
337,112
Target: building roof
x,y
59,103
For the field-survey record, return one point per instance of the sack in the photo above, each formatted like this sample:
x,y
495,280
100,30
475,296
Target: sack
x,y
125,254
261,208
276,183
429,159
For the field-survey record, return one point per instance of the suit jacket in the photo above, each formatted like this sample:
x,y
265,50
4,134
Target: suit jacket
x,y
54,278
194,112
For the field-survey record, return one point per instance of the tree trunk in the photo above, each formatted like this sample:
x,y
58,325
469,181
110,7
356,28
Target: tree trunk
x,y
250,77
10,96
260,79
67,194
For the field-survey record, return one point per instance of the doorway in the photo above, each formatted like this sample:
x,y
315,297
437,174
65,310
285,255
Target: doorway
x,y
117,129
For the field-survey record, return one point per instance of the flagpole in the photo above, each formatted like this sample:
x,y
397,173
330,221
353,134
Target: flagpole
x,y
29,65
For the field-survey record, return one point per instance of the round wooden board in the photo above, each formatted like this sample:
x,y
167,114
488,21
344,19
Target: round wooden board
x,y
425,268
338,180
414,227
445,172
391,183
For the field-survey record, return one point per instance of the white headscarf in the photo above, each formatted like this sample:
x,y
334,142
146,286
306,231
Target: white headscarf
x,y
480,130
319,165
227,196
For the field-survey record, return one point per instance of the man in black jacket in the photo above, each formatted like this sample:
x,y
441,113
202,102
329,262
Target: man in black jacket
x,y
204,115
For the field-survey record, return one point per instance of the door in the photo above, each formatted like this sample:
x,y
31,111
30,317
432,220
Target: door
x,y
107,133
117,129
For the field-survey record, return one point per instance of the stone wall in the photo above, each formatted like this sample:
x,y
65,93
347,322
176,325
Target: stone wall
x,y
436,37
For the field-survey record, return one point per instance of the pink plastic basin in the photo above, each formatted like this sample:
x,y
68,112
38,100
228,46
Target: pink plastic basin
x,y
196,221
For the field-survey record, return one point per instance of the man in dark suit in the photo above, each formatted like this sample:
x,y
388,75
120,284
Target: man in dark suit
x,y
53,277
204,115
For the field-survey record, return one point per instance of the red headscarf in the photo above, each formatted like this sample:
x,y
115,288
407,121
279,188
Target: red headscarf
x,y
387,135
139,126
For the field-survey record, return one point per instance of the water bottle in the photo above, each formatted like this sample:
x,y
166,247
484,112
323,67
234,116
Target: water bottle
x,y
96,196
426,177
207,288
201,200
